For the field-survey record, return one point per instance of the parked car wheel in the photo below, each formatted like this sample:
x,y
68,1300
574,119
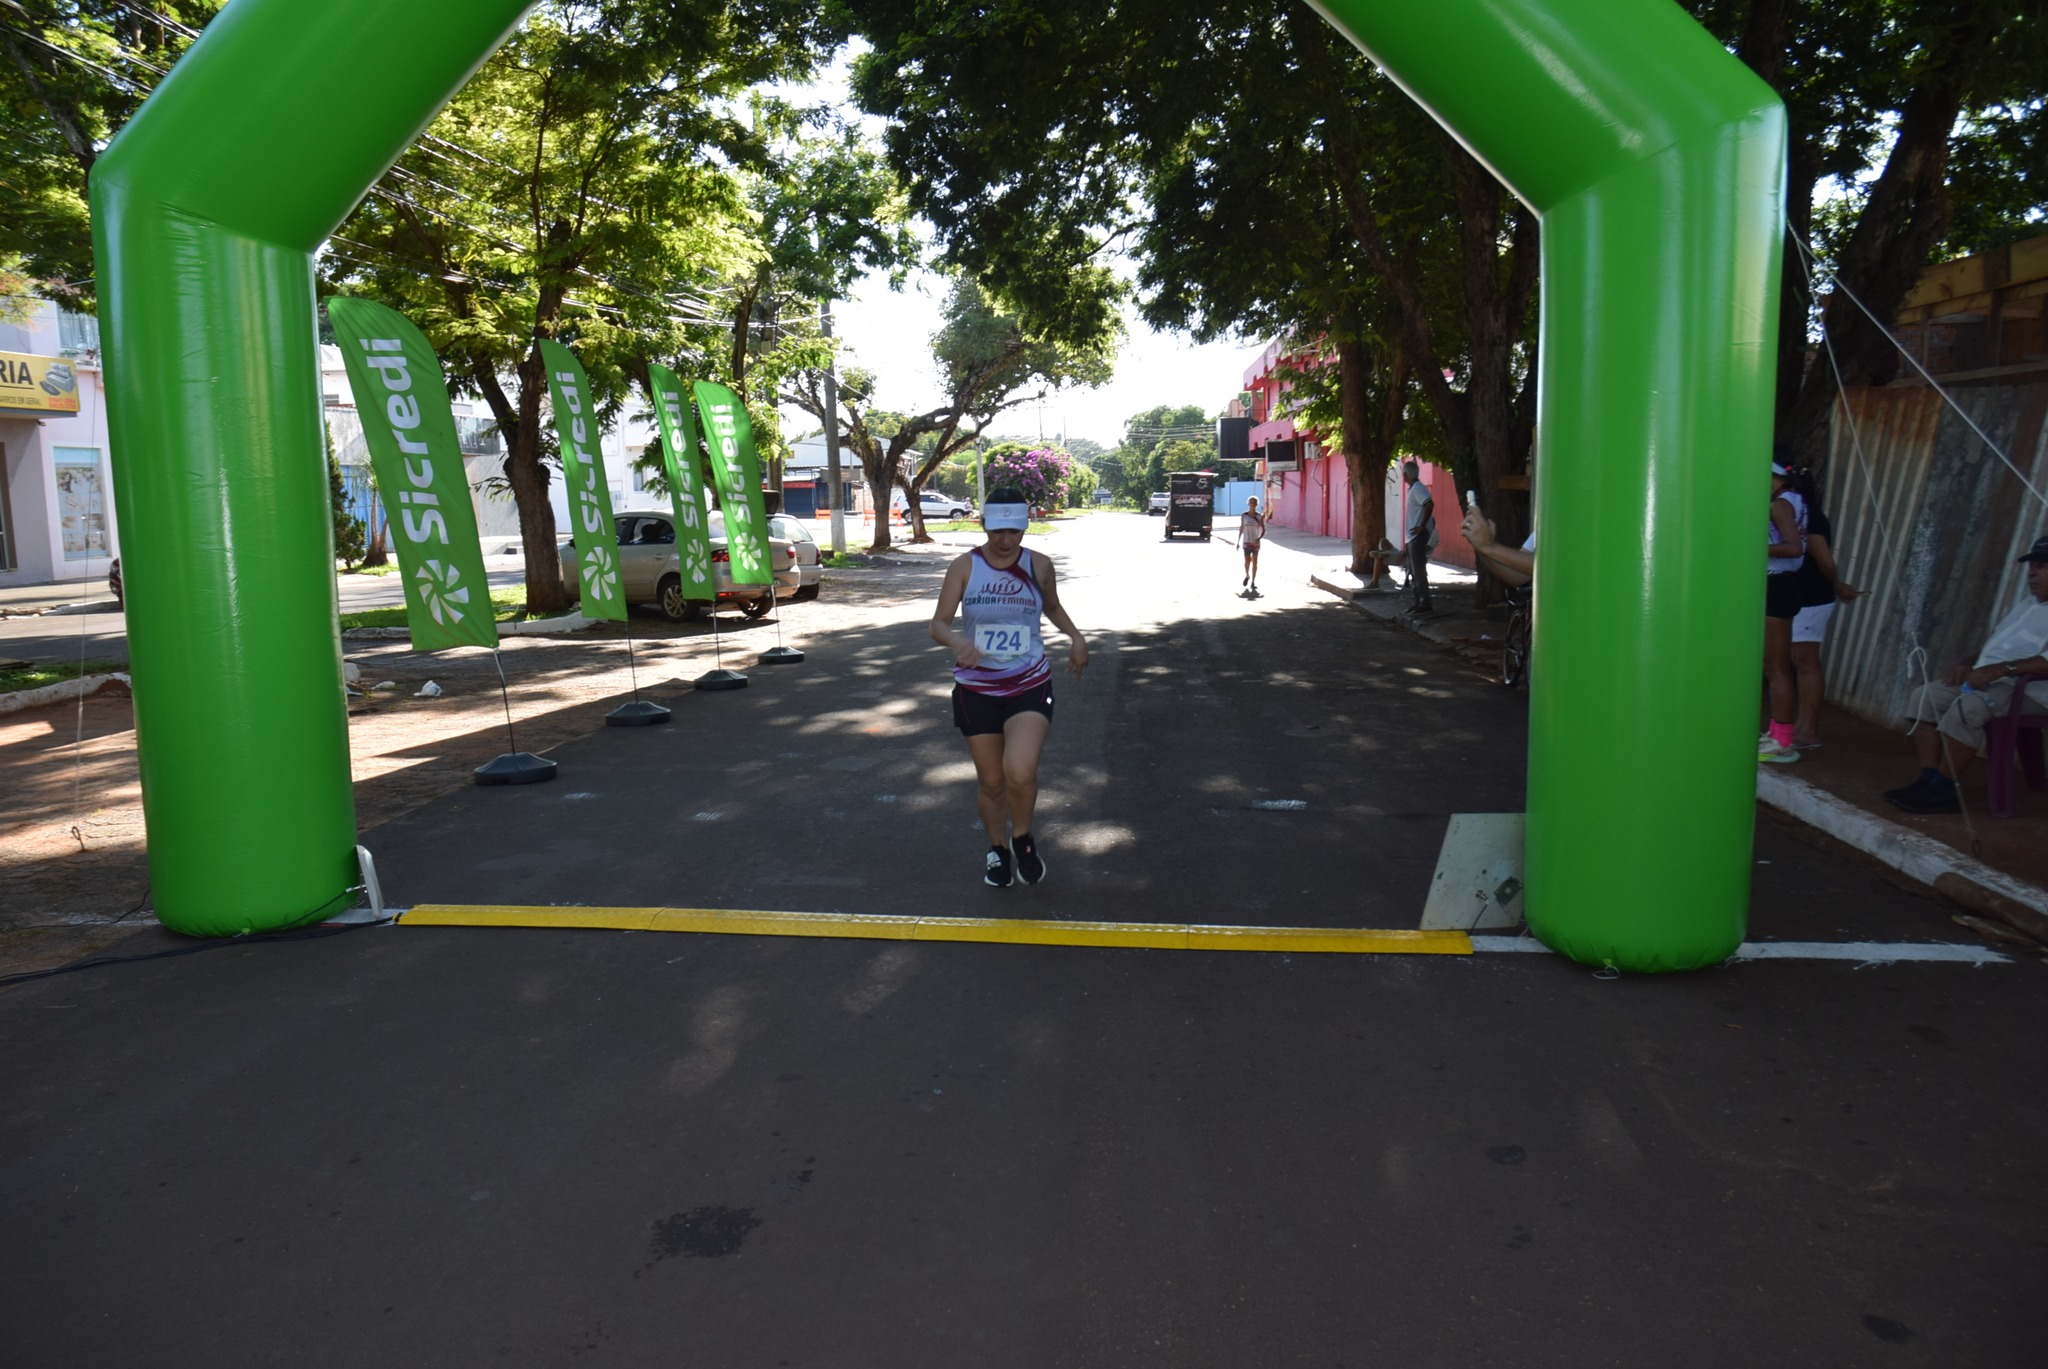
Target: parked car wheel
x,y
804,595
758,606
114,581
674,607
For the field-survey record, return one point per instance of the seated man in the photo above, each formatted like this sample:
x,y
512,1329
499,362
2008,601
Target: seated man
x,y
1969,697
1511,565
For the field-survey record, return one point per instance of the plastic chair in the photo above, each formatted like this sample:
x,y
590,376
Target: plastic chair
x,y
2014,735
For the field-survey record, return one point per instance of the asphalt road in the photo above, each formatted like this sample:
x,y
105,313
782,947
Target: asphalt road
x,y
421,1146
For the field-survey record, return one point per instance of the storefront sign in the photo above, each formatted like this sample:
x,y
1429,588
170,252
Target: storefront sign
x,y
44,385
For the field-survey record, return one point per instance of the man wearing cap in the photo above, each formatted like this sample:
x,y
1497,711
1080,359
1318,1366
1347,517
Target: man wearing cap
x,y
1970,696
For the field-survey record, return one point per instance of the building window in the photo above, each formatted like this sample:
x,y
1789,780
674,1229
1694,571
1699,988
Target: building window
x,y
77,333
81,502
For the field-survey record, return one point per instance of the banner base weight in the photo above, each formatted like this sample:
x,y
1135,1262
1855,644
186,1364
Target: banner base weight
x,y
638,713
781,655
515,767
721,679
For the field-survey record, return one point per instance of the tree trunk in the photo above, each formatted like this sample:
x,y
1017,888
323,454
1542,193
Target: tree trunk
x,y
528,475
1365,459
879,486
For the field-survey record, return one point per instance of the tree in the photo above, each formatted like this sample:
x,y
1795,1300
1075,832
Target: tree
x,y
1265,177
1044,474
585,185
348,529
989,361
1930,115
71,73
826,209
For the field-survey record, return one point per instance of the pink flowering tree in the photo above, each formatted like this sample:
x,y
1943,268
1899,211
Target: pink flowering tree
x,y
1045,474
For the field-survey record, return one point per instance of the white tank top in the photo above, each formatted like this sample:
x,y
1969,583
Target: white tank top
x,y
999,613
1779,565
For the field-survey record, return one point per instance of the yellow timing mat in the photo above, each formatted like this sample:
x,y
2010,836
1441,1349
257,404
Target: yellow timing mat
x,y
1163,936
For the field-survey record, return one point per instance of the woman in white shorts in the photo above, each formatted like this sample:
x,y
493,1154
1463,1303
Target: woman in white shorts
x,y
1251,530
1821,586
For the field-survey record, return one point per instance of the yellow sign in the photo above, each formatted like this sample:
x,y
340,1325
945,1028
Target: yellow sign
x,y
40,384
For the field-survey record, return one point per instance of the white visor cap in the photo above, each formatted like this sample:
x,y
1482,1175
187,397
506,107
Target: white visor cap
x,y
1006,517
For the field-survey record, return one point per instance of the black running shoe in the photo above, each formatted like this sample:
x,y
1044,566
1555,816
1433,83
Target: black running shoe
x,y
1906,791
1931,800
998,875
1030,868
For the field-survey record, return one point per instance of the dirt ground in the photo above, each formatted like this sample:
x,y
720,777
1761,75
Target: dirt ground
x,y
73,865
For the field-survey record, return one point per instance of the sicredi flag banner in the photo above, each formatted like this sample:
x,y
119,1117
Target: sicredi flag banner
x,y
590,499
729,436
685,489
410,430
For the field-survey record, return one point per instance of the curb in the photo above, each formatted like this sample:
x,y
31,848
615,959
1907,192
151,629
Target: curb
x,y
1422,627
568,622
61,692
1920,857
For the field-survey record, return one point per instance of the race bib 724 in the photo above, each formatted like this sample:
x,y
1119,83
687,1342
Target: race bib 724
x,y
1001,641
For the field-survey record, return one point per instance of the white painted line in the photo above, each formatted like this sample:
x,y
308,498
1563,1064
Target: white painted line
x,y
1870,952
1280,805
1494,945
1861,952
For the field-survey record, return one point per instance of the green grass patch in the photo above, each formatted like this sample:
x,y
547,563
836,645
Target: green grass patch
x,y
509,603
52,672
388,568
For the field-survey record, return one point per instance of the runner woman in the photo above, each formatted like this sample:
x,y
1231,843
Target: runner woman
x,y
1002,682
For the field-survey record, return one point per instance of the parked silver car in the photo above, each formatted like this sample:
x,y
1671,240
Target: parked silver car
x,y
652,567
809,557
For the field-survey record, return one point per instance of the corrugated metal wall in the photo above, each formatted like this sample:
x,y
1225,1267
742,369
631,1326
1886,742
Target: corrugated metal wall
x,y
1929,524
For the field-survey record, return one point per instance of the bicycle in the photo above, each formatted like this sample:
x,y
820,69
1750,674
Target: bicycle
x,y
1514,651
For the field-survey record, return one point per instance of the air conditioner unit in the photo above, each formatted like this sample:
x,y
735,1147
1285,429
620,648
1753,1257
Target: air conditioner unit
x,y
1281,456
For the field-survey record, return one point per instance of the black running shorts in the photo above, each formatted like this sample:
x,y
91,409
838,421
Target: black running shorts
x,y
1783,595
977,714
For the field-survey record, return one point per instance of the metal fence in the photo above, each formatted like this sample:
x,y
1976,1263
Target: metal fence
x,y
1929,524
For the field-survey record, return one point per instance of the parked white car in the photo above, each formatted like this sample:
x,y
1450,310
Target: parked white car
x,y
1158,502
652,567
940,507
809,557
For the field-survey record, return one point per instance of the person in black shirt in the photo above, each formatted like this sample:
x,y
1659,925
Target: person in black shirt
x,y
1820,586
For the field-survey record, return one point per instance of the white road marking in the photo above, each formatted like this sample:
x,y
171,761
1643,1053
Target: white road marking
x,y
1860,952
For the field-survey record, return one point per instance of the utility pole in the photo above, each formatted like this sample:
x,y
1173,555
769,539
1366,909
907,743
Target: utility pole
x,y
834,490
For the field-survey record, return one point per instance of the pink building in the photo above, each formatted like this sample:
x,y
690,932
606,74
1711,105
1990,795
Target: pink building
x,y
1310,485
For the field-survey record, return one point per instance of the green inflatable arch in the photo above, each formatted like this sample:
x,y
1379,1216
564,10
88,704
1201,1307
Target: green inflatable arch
x,y
1655,160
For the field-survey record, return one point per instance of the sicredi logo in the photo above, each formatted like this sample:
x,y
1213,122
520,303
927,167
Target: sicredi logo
x,y
588,515
419,511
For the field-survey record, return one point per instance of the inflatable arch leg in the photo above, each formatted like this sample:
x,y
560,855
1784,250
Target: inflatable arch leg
x,y
206,212
1656,162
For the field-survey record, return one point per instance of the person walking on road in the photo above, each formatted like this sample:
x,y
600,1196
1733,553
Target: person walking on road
x,y
1251,530
1421,524
1002,681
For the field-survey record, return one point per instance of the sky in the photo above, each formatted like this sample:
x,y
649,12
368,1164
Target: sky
x,y
889,332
